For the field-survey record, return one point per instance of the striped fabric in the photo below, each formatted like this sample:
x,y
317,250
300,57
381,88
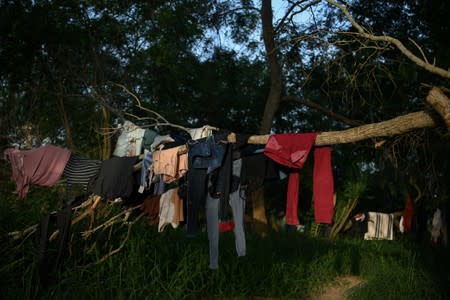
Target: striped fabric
x,y
79,171
380,226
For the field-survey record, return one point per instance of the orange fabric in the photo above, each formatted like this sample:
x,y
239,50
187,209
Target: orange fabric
x,y
170,164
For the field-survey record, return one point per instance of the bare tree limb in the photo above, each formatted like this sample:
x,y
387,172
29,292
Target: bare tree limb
x,y
397,43
439,101
322,109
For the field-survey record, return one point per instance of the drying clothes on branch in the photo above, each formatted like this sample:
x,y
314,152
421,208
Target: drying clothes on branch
x,y
379,226
150,208
159,141
221,184
149,137
41,166
115,178
80,171
408,214
170,209
323,186
436,225
145,169
202,132
256,169
212,220
170,163
129,142
292,150
204,156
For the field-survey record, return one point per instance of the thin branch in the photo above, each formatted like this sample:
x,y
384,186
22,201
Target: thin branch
x,y
320,108
115,251
385,38
419,48
139,105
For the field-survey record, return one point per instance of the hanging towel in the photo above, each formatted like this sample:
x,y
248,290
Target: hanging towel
x,y
380,226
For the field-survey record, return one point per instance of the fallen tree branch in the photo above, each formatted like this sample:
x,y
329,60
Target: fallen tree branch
x,y
439,101
395,126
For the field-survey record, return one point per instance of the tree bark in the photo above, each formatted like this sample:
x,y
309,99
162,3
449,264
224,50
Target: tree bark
x,y
395,126
274,98
440,102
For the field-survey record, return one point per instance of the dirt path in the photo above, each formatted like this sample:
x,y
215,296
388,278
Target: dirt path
x,y
338,289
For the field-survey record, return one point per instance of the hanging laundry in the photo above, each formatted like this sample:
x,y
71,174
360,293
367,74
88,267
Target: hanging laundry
x,y
148,139
170,209
41,166
202,132
408,214
213,220
436,225
129,142
379,226
80,171
159,141
147,162
292,150
150,208
204,156
115,178
170,163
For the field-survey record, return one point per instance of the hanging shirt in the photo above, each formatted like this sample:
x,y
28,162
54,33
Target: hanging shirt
x,y
115,178
79,171
202,132
41,166
129,142
170,209
170,163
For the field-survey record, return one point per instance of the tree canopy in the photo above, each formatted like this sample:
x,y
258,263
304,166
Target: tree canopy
x,y
248,66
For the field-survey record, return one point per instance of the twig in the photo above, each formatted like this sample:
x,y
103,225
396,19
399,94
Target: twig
x,y
385,38
115,251
109,222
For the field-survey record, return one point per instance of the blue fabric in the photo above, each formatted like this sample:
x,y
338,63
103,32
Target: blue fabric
x,y
206,153
146,162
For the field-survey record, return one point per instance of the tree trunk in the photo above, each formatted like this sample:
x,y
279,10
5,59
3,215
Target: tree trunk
x,y
272,104
274,98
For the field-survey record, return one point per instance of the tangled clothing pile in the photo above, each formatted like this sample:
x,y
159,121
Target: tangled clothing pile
x,y
41,166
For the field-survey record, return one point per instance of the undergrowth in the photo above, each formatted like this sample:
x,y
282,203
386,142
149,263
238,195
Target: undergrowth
x,y
168,265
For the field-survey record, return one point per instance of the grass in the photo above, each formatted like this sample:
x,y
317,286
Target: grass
x,y
170,266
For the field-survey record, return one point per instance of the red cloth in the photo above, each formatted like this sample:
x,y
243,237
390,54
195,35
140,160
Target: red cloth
x,y
408,214
226,226
41,166
292,150
323,186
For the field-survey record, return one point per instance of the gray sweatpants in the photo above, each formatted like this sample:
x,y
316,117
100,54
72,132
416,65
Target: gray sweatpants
x,y
212,221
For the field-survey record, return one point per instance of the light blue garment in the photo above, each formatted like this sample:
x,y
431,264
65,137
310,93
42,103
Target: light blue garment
x,y
212,221
146,163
